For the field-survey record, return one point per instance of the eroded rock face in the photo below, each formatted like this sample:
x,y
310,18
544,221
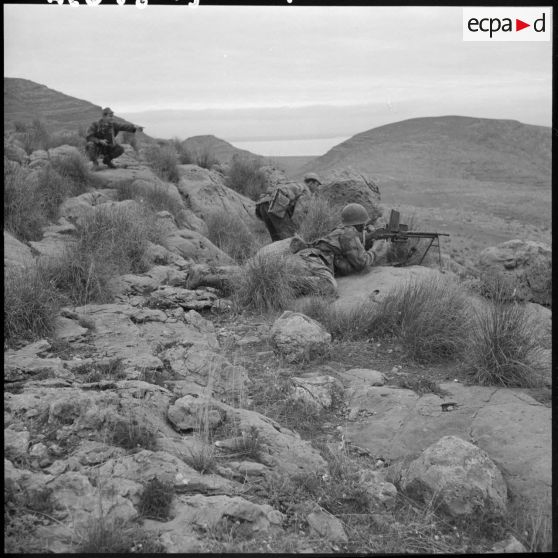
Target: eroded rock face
x,y
204,192
459,476
318,390
527,261
347,186
296,336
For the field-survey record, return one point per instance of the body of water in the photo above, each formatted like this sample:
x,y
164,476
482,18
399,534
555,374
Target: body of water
x,y
290,147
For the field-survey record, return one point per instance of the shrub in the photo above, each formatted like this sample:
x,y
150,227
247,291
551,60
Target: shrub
x,y
157,197
51,190
202,460
185,157
264,284
130,434
429,317
163,161
231,235
110,241
73,168
244,175
320,219
23,212
31,303
205,158
156,500
65,138
503,348
35,137
117,537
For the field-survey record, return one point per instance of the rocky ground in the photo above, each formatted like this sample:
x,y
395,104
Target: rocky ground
x,y
266,435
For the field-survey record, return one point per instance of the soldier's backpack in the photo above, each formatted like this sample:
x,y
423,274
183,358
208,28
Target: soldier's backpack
x,y
279,204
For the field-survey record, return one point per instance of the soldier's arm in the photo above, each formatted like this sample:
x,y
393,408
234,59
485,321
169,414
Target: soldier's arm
x,y
355,253
121,127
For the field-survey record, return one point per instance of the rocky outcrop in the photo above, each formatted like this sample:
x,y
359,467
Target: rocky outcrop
x,y
527,263
17,256
204,192
297,337
347,186
457,476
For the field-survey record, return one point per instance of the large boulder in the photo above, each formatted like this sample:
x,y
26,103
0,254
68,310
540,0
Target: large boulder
x,y
204,193
192,245
347,186
527,263
459,476
296,336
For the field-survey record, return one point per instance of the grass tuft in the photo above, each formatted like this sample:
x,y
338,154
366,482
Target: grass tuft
x,y
231,235
320,219
156,500
244,175
163,161
503,349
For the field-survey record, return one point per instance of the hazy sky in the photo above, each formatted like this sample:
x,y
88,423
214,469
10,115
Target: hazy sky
x,y
401,62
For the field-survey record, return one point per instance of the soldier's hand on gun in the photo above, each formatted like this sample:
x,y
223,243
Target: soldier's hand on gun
x,y
103,142
139,128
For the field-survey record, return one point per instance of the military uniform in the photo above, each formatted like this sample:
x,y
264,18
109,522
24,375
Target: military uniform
x,y
276,207
104,130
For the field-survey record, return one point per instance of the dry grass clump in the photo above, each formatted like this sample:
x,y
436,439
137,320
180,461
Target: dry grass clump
x,y
111,241
205,158
503,348
429,317
31,302
185,157
129,433
244,175
264,284
34,136
73,168
157,197
156,500
163,161
231,235
320,219
23,212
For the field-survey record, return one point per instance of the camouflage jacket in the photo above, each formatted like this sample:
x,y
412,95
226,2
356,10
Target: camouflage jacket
x,y
292,190
102,130
343,251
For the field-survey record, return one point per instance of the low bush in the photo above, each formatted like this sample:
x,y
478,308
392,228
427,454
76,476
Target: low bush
x,y
244,175
205,158
320,219
163,161
129,433
23,211
264,284
156,500
185,157
231,235
203,459
503,348
31,303
73,168
157,197
51,190
35,136
110,241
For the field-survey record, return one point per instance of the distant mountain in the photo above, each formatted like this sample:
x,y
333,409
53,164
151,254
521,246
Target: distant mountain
x,y
25,100
221,149
442,148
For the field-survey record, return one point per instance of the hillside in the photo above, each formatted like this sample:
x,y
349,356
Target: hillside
x,y
483,180
221,149
25,100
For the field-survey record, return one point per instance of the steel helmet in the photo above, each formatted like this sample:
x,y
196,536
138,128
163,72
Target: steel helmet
x,y
107,112
354,214
312,176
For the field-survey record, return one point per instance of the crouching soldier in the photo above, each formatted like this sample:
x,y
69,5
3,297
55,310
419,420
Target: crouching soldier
x,y
101,139
312,268
276,206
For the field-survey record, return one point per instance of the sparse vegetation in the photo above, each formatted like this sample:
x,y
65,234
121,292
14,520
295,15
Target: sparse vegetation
x,y
157,197
264,284
156,500
163,161
35,136
244,175
231,235
320,219
185,157
31,302
110,241
73,168
205,158
129,433
503,348
112,369
203,459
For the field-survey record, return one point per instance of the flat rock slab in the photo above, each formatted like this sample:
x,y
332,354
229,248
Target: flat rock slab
x,y
377,282
512,427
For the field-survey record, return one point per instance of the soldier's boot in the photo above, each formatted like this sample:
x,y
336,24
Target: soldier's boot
x,y
109,163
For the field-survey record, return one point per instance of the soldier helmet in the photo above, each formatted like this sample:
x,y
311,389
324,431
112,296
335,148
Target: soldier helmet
x,y
107,112
354,214
312,176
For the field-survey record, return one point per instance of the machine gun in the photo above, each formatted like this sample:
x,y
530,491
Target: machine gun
x,y
399,232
